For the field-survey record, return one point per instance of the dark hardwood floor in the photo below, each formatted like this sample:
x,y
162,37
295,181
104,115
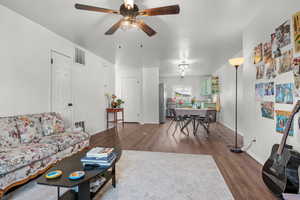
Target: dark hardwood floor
x,y
241,173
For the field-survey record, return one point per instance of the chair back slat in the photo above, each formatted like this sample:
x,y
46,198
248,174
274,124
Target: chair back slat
x,y
173,112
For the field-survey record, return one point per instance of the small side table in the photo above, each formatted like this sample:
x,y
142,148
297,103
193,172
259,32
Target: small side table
x,y
115,112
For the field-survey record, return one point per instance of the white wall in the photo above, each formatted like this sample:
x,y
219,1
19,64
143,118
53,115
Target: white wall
x,y
254,125
25,72
147,94
226,76
151,95
173,82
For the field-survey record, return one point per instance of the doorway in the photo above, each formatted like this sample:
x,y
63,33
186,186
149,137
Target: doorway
x,y
130,92
61,86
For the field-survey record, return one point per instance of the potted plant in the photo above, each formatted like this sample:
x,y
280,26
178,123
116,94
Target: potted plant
x,y
119,103
193,101
116,103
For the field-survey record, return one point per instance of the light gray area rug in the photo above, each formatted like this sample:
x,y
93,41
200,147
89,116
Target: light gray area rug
x,y
153,176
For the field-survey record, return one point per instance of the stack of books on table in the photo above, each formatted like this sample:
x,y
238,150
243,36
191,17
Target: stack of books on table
x,y
99,156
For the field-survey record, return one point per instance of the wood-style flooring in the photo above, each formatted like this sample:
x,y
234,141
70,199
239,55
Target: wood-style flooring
x,y
241,173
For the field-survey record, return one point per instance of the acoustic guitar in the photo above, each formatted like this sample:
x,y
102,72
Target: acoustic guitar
x,y
280,172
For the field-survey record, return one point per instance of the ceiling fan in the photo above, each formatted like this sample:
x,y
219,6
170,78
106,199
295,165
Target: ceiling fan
x,y
130,11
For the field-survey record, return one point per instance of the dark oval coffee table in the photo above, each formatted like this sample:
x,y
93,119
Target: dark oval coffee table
x,y
73,163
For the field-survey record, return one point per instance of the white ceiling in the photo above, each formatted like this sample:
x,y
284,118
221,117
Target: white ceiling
x,y
205,34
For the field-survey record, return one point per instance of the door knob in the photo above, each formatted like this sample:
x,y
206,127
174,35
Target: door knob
x,y
70,104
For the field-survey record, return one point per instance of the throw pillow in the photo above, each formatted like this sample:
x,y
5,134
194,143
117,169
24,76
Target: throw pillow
x,y
59,125
9,135
47,120
52,123
29,128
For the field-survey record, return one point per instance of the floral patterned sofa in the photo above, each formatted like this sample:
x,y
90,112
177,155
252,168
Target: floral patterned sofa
x,y
30,144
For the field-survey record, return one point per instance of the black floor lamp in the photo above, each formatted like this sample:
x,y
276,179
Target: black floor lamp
x,y
236,62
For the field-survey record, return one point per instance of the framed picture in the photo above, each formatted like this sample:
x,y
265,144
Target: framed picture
x,y
276,52
258,53
260,71
284,93
283,34
259,91
286,62
281,121
271,69
296,25
267,109
269,89
267,52
296,72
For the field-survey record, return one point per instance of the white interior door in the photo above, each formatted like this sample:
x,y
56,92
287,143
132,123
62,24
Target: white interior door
x,y
61,86
131,96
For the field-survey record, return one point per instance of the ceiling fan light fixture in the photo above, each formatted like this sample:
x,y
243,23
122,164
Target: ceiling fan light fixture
x,y
182,68
128,24
130,12
129,4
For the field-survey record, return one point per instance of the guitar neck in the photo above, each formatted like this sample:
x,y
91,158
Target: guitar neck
x,y
285,135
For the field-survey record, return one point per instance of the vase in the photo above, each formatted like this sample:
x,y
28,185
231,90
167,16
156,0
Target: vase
x,y
113,104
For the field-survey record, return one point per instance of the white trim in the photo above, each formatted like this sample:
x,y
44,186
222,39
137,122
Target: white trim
x,y
249,152
227,126
151,123
96,132
177,75
255,157
62,54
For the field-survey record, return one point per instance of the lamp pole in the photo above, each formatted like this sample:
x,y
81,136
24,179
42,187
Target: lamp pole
x,y
236,149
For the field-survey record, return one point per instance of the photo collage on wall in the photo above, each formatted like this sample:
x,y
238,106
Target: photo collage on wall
x,y
273,59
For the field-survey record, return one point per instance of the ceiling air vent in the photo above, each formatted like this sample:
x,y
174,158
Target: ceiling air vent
x,y
79,56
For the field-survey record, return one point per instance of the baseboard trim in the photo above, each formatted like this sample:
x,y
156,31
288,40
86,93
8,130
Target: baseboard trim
x,y
255,157
250,153
99,131
227,126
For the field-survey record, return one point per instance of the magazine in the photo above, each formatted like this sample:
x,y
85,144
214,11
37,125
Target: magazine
x,y
100,152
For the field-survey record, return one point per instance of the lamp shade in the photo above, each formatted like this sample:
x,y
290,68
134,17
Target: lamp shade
x,y
236,61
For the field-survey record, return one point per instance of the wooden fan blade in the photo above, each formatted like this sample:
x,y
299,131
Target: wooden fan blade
x,y
95,9
114,28
167,10
147,29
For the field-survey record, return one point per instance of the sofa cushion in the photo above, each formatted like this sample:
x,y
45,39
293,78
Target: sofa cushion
x,y
9,135
64,140
52,123
29,128
59,124
15,158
